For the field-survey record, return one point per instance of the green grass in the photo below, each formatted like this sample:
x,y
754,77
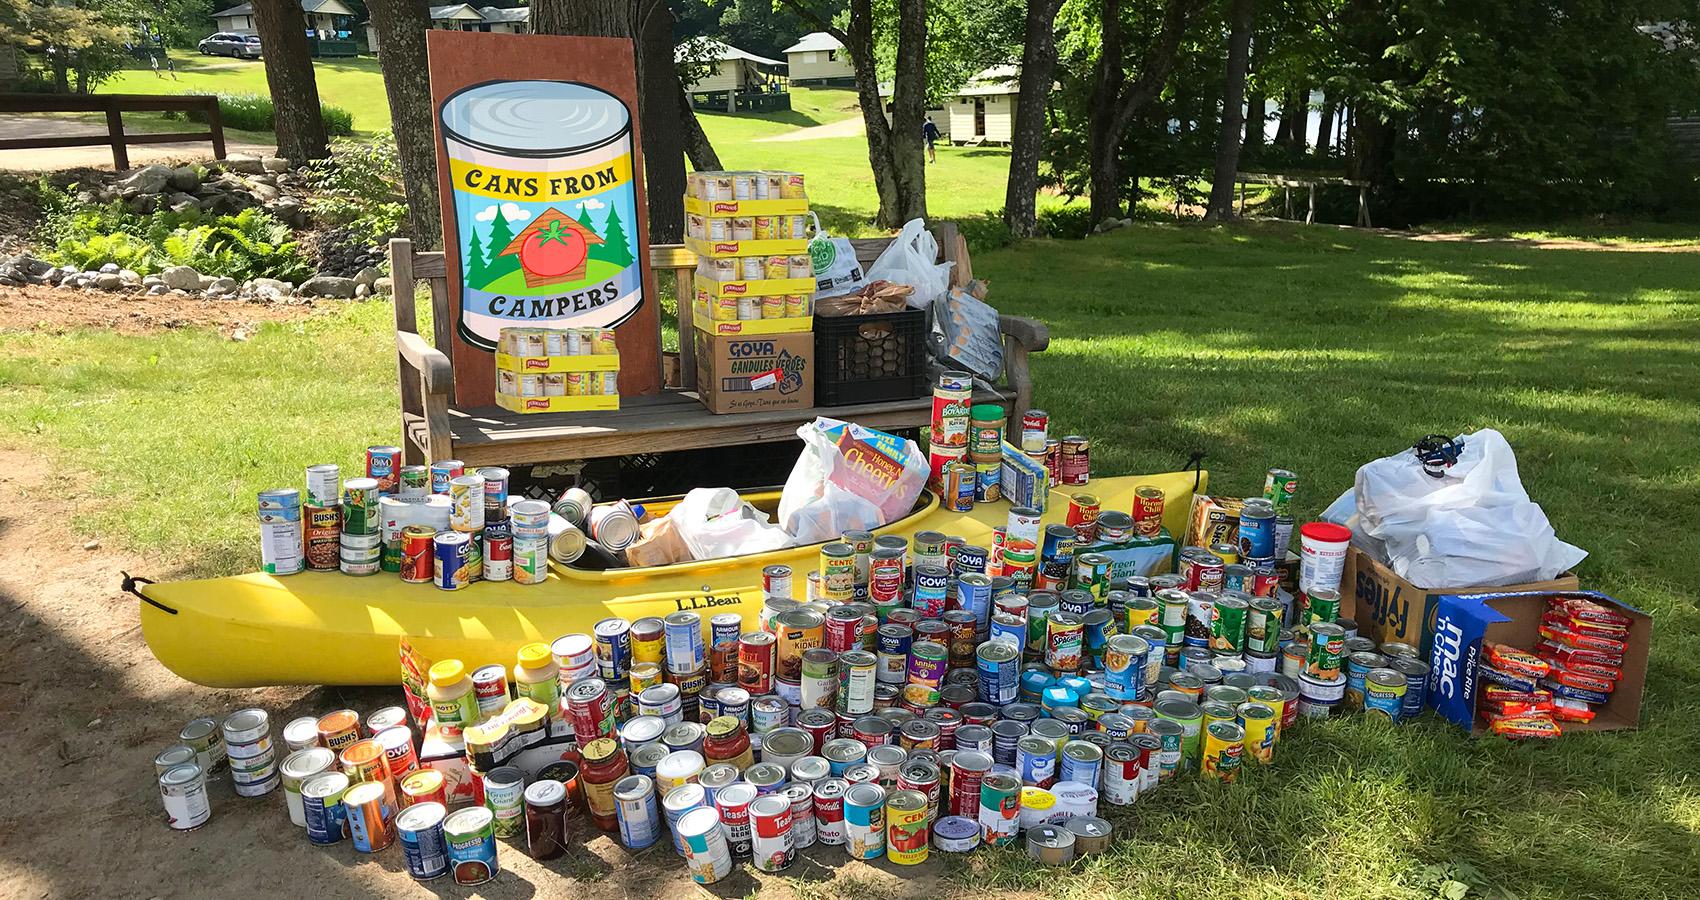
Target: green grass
x,y
1316,349
353,84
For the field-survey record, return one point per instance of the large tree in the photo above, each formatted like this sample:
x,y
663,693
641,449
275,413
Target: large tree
x,y
401,27
299,125
895,148
1232,136
1115,99
1033,93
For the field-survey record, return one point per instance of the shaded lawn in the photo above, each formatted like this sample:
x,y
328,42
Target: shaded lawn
x,y
1315,349
353,84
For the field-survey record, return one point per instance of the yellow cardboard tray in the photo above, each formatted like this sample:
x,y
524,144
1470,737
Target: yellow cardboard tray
x,y
557,404
725,249
719,208
787,325
760,287
535,365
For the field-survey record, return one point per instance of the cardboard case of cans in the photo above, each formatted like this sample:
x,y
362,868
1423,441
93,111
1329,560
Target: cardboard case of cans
x,y
557,370
750,231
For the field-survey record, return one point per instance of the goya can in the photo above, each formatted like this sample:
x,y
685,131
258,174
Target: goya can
x,y
906,828
471,837
451,560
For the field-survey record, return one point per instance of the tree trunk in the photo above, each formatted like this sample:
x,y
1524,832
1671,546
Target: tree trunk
x,y
859,43
1325,128
663,139
299,125
400,26
1038,62
909,112
585,18
1294,112
1103,142
1257,106
1221,207
697,147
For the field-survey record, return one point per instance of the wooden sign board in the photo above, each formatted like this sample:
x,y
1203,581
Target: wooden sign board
x,y
545,215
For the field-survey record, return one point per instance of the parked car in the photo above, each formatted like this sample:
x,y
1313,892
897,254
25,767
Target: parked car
x,y
227,43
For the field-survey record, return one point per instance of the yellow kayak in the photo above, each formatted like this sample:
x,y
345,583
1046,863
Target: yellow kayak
x,y
329,628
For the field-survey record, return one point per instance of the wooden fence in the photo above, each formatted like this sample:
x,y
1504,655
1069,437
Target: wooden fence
x,y
114,106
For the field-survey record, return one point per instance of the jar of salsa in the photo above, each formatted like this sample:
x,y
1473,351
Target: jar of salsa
x,y
727,742
604,764
546,819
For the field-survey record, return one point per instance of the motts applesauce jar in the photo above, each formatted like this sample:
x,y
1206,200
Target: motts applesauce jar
x,y
545,205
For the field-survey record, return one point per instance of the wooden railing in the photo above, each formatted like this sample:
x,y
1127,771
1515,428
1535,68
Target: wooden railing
x,y
114,106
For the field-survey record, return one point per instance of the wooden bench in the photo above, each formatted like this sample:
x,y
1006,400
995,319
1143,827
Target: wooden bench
x,y
432,427
1310,182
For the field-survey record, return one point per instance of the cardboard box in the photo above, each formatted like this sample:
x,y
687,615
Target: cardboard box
x,y
1388,608
1465,622
755,374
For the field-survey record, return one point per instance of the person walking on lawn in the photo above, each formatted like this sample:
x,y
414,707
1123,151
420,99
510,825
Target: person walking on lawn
x,y
930,133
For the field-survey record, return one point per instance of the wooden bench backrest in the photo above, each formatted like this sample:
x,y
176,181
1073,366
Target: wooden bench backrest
x,y
428,266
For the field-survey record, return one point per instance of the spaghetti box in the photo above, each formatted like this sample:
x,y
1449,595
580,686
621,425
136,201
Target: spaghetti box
x,y
1465,623
755,373
1390,609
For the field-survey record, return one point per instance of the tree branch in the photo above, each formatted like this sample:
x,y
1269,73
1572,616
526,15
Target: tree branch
x,y
815,18
1158,61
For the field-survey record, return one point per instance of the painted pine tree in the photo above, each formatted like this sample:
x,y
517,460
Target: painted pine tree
x,y
501,235
615,248
477,266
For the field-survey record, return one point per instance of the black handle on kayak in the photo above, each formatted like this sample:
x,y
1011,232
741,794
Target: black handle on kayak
x,y
129,586
1195,462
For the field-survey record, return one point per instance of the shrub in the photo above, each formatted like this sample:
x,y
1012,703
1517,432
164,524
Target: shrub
x,y
359,186
252,112
250,244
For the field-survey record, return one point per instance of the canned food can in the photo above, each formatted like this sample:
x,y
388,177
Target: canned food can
x,y
183,792
635,808
471,837
906,828
423,845
864,821
771,846
368,817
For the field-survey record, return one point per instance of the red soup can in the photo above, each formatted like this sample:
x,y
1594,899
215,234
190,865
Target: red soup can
x,y
416,558
1075,465
1083,517
755,662
968,770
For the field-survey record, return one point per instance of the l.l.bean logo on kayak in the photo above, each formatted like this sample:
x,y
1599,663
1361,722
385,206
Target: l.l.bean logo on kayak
x,y
706,600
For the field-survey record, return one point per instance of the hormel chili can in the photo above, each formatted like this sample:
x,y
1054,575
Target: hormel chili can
x,y
968,770
1083,517
498,551
417,562
829,810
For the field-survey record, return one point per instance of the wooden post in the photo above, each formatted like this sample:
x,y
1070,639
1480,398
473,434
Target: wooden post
x,y
1287,200
1242,199
1310,214
115,131
215,123
1363,205
407,320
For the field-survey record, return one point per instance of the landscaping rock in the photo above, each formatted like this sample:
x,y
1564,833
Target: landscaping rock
x,y
275,164
26,269
334,286
382,285
129,276
108,268
264,192
289,211
180,201
156,290
108,281
181,278
146,180
87,198
185,178
151,280
221,287
245,164
362,291
367,276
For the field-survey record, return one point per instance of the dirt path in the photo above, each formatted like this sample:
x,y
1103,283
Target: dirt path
x,y
21,126
851,127
63,309
87,706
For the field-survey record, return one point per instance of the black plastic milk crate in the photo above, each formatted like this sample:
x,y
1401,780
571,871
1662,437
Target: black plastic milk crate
x,y
867,359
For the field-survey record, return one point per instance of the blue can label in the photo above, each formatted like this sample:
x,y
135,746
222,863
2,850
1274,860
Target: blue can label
x,y
453,560
326,823
1007,627
1036,760
1082,771
999,664
1257,536
426,852
971,559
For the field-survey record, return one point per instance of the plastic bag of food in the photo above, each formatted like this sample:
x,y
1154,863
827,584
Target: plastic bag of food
x,y
910,260
963,332
1458,521
849,477
716,522
837,270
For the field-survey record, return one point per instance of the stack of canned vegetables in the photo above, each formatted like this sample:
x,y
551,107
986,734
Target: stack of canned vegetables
x,y
936,707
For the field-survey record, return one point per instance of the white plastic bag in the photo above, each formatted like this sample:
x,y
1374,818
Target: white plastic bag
x,y
849,477
837,271
909,260
1474,526
716,522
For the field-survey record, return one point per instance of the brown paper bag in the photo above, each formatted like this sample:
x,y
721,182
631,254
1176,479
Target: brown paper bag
x,y
658,544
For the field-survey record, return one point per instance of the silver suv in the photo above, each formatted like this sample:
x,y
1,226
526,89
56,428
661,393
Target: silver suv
x,y
228,43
